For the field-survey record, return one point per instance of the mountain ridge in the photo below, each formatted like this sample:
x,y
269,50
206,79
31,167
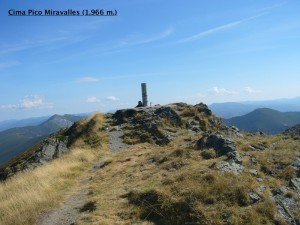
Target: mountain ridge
x,y
15,140
228,110
179,164
265,120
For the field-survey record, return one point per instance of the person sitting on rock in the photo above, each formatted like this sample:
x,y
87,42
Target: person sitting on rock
x,y
140,104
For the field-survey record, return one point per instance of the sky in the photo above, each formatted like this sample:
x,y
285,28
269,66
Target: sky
x,y
186,51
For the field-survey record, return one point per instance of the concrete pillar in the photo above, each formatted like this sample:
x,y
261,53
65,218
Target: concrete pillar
x,y
144,94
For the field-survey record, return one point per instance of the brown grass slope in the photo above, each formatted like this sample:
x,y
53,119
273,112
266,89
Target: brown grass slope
x,y
163,178
27,194
177,184
174,185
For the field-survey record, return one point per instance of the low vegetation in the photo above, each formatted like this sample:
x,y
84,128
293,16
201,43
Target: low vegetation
x,y
177,184
26,195
163,183
30,192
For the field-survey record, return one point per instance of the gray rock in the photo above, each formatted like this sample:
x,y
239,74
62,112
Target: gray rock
x,y
296,162
287,207
253,172
229,167
258,147
296,184
235,128
253,161
203,108
168,113
283,189
195,129
296,165
254,197
50,149
218,142
222,146
235,156
262,188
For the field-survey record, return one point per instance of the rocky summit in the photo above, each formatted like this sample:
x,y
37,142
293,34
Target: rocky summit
x,y
174,164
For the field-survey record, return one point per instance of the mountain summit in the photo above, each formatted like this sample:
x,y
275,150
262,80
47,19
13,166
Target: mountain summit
x,y
173,164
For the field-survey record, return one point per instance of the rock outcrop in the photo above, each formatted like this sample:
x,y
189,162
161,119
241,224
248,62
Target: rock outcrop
x,y
50,148
222,146
160,124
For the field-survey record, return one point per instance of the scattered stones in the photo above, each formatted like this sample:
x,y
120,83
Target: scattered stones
x,y
286,206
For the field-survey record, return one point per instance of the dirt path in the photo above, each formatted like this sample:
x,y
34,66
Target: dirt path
x,y
116,143
70,210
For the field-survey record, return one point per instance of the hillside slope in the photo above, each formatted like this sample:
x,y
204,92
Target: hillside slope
x,y
179,165
266,120
16,140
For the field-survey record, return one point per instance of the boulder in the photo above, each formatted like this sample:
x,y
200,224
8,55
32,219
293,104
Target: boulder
x,y
235,156
166,112
203,108
222,146
229,167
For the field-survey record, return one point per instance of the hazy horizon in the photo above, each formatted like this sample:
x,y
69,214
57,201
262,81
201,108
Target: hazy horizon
x,y
191,52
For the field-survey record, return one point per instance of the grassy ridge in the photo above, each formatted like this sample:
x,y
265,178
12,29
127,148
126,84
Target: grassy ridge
x,y
174,184
28,193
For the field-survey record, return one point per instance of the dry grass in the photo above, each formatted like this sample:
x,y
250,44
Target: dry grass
x,y
148,184
31,192
27,194
273,162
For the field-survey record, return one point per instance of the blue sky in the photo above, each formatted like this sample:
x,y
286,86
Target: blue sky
x,y
192,51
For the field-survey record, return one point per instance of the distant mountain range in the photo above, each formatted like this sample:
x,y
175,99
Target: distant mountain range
x,y
266,120
7,124
232,109
16,140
